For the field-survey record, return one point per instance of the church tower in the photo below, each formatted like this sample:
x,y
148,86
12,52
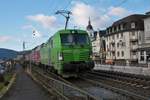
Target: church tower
x,y
90,30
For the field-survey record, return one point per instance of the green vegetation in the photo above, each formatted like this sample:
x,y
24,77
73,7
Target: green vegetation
x,y
7,78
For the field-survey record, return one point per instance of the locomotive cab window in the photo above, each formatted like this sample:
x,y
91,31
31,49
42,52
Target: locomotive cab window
x,y
67,39
81,39
74,39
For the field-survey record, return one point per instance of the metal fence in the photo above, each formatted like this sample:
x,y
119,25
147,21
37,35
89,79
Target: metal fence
x,y
65,91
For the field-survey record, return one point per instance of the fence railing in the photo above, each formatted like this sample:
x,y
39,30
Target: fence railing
x,y
65,91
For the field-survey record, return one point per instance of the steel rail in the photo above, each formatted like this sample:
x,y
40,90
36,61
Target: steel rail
x,y
124,79
56,84
117,90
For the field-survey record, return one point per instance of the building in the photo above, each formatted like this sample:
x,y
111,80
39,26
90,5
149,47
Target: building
x,y
123,39
90,30
98,46
144,47
98,42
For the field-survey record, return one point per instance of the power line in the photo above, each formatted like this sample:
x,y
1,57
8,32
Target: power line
x,y
123,1
69,3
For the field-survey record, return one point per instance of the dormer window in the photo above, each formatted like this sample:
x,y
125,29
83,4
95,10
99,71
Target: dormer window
x,y
133,25
121,26
117,27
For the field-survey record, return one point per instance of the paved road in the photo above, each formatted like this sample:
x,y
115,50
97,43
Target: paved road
x,y
25,89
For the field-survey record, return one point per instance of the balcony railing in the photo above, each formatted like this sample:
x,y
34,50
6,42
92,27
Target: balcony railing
x,y
113,49
134,47
133,38
134,57
112,41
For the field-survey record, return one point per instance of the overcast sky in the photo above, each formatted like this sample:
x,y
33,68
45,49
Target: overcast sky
x,y
19,18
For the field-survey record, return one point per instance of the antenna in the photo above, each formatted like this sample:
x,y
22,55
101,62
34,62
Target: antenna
x,y
66,14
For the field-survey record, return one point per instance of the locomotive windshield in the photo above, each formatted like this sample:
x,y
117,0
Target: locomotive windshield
x,y
74,39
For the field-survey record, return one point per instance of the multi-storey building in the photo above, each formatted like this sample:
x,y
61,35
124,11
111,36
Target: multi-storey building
x,y
122,39
144,47
98,45
98,42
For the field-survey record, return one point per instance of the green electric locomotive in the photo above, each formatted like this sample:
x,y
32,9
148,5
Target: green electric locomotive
x,y
68,52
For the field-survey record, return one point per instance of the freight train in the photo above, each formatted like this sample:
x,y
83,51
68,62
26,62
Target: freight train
x,y
68,52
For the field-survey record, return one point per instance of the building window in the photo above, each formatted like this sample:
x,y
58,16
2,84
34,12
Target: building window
x,y
117,35
142,58
115,29
112,29
119,27
133,43
133,33
113,45
114,54
118,45
113,37
133,53
124,25
122,53
118,53
132,25
142,53
140,37
148,27
121,35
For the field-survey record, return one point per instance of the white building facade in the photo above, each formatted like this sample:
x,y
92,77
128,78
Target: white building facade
x,y
122,40
98,45
144,48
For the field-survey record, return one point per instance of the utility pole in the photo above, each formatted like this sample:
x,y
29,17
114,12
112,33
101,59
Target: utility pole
x,y
23,59
23,45
66,14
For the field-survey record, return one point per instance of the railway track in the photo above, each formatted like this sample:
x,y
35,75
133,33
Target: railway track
x,y
93,85
63,89
123,85
100,91
133,80
88,87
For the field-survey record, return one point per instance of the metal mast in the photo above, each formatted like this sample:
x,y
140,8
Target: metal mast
x,y
23,45
66,14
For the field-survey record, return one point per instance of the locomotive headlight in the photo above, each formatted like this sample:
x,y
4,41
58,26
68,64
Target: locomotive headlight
x,y
91,55
60,56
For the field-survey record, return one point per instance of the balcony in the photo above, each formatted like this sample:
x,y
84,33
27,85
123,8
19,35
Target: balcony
x,y
134,57
133,38
134,47
113,49
113,57
112,42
